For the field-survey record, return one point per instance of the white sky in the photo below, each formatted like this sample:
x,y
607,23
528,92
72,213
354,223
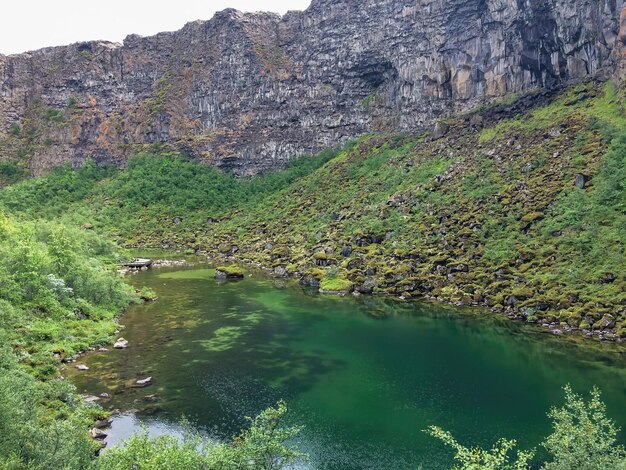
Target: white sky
x,y
31,24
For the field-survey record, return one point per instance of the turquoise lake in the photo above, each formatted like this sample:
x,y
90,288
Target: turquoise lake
x,y
364,376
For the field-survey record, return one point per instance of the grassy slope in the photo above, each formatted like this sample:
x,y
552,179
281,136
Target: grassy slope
x,y
491,217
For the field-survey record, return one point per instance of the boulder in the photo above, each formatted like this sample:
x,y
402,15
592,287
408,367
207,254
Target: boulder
x,y
103,423
310,281
138,263
229,272
82,367
280,271
458,268
346,250
96,433
605,323
439,130
368,286
121,343
140,383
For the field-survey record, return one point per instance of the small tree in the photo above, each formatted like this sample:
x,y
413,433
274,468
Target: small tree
x,y
583,438
475,458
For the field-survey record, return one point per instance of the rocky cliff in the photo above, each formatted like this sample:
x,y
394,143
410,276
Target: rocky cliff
x,y
247,92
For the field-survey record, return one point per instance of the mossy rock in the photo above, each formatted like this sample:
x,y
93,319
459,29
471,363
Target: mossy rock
x,y
229,272
532,217
336,285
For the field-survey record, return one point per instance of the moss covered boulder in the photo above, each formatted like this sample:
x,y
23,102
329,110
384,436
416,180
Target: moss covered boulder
x,y
229,272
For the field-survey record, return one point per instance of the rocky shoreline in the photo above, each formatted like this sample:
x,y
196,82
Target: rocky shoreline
x,y
368,288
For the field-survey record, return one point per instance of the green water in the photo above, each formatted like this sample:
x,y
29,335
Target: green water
x,y
364,376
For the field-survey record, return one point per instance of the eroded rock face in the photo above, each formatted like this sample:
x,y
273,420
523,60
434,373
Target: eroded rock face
x,y
248,92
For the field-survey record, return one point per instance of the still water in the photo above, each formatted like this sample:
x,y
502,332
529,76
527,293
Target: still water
x,y
364,376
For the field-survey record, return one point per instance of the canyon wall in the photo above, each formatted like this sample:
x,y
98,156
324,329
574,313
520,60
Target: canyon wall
x,y
247,92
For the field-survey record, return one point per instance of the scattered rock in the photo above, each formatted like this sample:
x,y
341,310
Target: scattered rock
x,y
439,130
280,271
140,383
121,343
346,250
98,434
458,268
476,121
138,263
225,248
310,281
581,181
608,278
605,323
103,423
82,367
368,286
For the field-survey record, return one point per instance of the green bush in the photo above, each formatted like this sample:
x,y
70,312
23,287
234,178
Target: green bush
x,y
261,447
583,439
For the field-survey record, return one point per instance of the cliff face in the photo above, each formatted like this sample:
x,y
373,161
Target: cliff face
x,y
247,92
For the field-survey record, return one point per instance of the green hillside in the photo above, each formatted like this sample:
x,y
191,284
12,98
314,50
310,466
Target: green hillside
x,y
526,216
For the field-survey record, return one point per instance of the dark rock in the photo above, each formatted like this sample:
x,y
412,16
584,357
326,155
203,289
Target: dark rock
x,y
346,250
476,121
368,286
103,423
581,181
608,278
310,281
439,130
458,268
